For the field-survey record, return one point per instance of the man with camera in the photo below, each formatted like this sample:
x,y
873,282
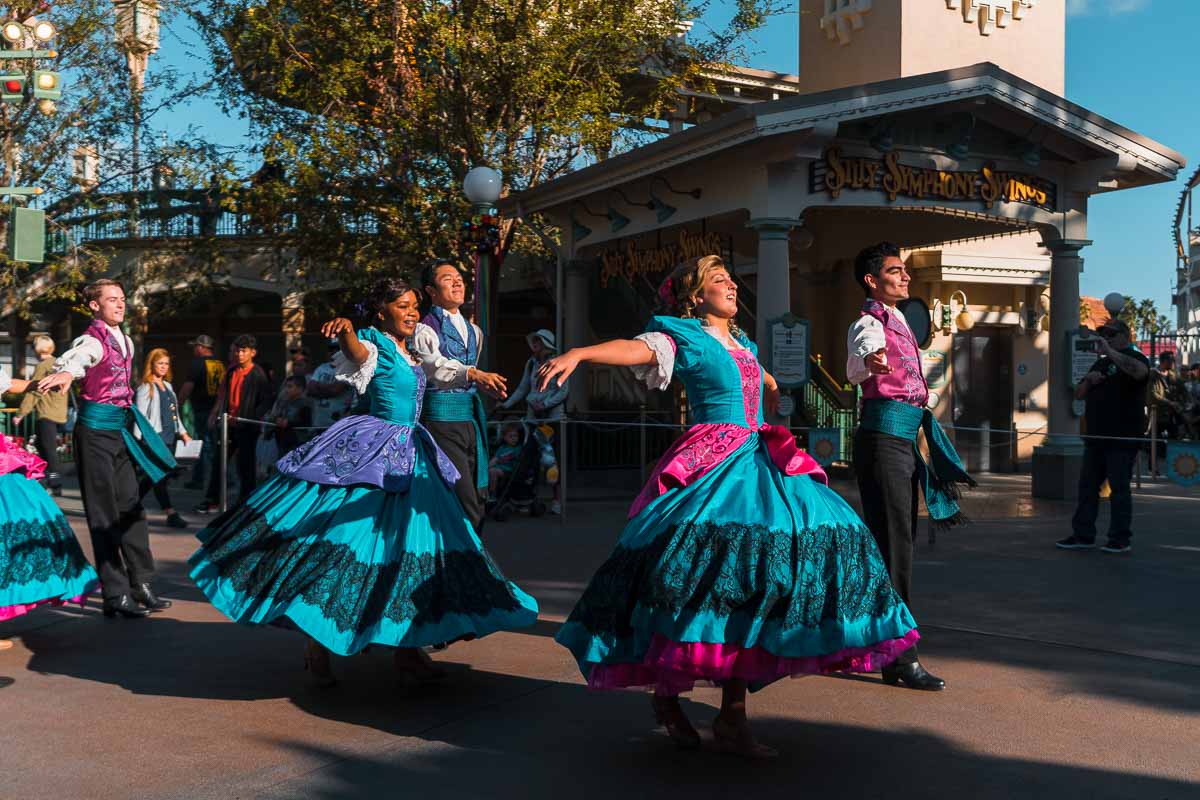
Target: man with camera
x,y
1114,394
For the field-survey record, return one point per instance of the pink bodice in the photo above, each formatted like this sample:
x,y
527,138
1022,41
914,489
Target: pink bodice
x,y
905,382
110,380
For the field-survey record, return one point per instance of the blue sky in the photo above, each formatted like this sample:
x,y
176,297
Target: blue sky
x,y
1132,61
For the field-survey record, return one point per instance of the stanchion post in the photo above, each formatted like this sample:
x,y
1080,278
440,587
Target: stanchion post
x,y
563,469
224,462
1138,467
1154,444
642,442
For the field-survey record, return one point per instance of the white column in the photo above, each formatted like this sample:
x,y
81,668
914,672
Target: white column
x,y
774,272
576,329
292,311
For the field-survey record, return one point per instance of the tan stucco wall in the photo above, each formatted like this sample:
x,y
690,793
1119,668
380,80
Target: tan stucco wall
x,y
913,37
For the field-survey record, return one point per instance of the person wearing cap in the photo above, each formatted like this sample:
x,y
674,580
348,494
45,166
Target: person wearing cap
x,y
449,347
202,387
540,406
1114,395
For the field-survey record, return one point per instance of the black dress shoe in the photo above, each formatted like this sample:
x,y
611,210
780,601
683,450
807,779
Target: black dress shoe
x,y
123,605
914,676
146,596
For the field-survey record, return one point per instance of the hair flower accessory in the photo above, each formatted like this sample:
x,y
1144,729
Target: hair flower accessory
x,y
666,291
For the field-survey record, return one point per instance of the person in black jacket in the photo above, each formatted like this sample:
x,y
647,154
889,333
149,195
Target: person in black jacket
x,y
245,394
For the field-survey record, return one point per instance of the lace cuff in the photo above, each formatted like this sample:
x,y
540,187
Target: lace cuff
x,y
357,375
658,374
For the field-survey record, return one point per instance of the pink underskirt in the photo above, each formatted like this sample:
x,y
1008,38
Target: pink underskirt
x,y
13,457
703,447
674,667
12,612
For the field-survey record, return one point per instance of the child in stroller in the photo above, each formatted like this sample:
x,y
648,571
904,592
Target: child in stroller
x,y
524,459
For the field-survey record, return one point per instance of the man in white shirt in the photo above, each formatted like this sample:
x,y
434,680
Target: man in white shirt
x,y
449,347
108,457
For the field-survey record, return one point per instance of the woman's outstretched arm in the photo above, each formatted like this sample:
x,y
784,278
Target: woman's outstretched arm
x,y
617,353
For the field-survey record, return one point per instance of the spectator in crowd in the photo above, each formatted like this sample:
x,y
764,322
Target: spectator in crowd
x,y
332,399
292,412
157,401
1114,395
301,363
504,460
202,387
1170,398
540,406
51,410
246,394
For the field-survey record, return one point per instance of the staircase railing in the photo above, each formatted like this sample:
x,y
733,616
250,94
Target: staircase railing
x,y
830,404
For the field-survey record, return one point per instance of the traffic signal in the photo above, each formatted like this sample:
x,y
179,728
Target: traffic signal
x,y
27,235
47,85
12,87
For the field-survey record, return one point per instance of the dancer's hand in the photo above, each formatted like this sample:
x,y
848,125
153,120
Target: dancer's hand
x,y
492,383
58,382
877,363
337,327
557,370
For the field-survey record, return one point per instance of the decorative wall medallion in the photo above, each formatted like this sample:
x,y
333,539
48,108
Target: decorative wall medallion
x,y
989,14
842,17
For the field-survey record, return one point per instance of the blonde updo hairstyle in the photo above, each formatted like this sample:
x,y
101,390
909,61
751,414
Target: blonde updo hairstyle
x,y
677,294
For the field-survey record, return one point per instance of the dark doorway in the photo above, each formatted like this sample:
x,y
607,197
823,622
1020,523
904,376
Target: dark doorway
x,y
983,387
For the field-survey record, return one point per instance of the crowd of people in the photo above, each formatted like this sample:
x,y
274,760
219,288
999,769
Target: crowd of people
x,y
368,532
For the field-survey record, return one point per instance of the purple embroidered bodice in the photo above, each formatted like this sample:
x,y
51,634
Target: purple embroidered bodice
x,y
905,382
109,381
381,448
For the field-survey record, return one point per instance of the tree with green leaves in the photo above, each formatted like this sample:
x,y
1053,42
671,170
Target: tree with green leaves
x,y
369,113
1143,318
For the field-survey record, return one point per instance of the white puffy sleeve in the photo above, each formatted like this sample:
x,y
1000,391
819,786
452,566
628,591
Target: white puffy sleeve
x,y
5,380
356,375
658,374
85,353
864,337
442,372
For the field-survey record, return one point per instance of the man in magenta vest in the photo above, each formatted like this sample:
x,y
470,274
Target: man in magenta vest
x,y
108,457
883,357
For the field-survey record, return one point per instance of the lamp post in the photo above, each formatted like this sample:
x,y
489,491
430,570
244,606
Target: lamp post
x,y
136,34
481,241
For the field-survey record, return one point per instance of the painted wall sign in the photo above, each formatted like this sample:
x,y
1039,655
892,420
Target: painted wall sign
x,y
987,186
933,364
630,262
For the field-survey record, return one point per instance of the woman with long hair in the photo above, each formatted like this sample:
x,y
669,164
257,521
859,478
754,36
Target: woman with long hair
x,y
738,564
360,539
155,398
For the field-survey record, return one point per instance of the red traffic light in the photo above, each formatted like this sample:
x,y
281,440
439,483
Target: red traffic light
x,y
13,86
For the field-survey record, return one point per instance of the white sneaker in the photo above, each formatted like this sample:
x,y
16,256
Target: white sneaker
x,y
555,507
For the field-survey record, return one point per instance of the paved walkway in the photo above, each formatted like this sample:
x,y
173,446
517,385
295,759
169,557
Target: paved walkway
x,y
1071,675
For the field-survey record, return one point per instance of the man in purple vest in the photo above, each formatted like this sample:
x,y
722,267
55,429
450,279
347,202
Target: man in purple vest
x,y
108,456
883,357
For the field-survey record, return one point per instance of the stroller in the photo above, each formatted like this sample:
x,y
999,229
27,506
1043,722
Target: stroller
x,y
536,465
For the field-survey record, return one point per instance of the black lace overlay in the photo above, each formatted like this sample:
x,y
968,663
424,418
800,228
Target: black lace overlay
x,y
730,569
37,552
271,567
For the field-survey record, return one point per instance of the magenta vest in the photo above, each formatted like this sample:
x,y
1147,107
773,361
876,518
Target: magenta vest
x,y
110,380
905,382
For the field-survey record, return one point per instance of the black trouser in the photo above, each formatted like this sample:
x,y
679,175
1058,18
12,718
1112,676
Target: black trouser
x,y
47,447
457,440
202,469
889,487
242,441
113,506
1111,461
162,491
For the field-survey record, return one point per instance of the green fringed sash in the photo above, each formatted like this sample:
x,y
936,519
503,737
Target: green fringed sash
x,y
149,452
462,407
938,478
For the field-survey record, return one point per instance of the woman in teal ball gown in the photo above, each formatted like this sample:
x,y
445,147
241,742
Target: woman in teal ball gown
x,y
359,539
738,565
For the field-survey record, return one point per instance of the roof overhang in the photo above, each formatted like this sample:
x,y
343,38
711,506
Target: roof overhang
x,y
816,117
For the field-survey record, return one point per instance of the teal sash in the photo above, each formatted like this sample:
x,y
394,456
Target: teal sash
x,y
149,452
462,407
937,478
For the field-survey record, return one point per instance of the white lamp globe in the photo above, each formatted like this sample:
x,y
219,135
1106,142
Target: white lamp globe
x,y
1114,303
482,185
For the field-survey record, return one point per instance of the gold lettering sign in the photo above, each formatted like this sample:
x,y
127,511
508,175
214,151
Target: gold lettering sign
x,y
987,186
630,262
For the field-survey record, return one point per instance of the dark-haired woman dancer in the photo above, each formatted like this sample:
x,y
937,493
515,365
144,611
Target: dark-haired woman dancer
x,y
738,564
360,539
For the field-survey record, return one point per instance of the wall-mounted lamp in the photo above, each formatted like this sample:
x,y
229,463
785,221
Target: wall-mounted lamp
x,y
662,211
616,220
694,193
946,320
578,230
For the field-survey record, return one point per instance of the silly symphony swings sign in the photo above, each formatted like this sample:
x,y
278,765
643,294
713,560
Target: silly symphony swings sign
x,y
987,186
631,261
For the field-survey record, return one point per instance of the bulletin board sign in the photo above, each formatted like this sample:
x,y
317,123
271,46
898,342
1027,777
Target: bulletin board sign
x,y
789,351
